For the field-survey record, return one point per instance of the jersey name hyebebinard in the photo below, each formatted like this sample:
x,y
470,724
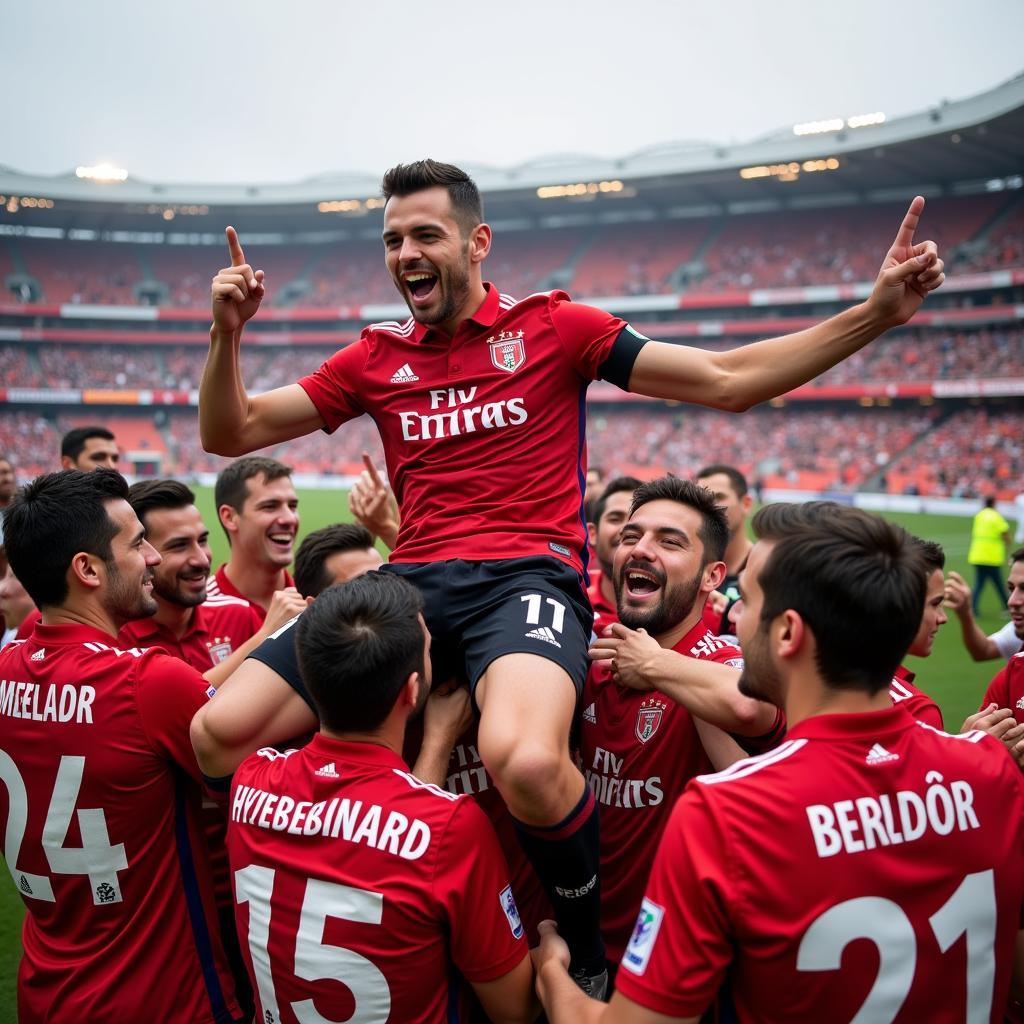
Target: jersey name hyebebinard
x,y
59,702
852,826
339,818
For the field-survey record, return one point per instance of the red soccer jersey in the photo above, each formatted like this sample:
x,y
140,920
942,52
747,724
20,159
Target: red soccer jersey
x,y
639,749
102,833
484,432
903,691
219,585
358,886
1007,687
218,627
869,866
605,612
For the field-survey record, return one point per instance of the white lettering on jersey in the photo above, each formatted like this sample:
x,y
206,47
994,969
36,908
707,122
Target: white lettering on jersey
x,y
60,703
451,414
609,789
852,826
338,818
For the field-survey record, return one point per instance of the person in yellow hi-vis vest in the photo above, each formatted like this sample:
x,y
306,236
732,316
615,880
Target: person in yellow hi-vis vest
x,y
989,534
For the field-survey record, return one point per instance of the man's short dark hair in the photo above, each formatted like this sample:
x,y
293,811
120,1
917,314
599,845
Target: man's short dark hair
x,y
615,486
932,553
1017,556
53,518
736,478
232,485
357,645
311,575
714,527
72,444
857,580
407,179
150,495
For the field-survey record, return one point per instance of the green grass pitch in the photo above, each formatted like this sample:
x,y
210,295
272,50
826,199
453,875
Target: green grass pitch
x,y
948,675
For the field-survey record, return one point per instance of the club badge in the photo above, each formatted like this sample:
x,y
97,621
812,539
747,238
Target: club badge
x,y
508,350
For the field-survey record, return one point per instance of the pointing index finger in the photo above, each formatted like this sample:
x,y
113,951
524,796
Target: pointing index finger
x,y
372,470
234,247
905,235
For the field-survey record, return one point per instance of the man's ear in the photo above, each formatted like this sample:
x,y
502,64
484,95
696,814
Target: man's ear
x,y
228,517
592,534
713,574
479,243
790,634
85,570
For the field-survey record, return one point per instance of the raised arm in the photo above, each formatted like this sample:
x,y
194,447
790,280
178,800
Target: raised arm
x,y
958,597
231,422
742,377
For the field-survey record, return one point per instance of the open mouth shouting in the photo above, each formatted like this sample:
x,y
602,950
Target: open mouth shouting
x,y
421,286
641,584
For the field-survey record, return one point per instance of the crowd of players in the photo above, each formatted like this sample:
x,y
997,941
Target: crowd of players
x,y
211,813
670,712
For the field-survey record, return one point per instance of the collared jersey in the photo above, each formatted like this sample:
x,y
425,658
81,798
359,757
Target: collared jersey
x,y
484,432
605,612
638,749
219,585
870,866
218,627
109,859
358,886
903,691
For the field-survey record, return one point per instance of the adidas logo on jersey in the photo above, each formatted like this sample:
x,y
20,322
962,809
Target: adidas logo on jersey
x,y
404,375
590,714
39,655
328,771
879,755
543,633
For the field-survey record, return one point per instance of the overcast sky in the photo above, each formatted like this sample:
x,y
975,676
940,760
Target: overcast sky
x,y
260,91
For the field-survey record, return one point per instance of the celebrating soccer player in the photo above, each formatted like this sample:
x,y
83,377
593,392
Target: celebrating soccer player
x,y
480,401
102,816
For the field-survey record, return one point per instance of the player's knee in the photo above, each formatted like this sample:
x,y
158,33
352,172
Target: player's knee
x,y
523,767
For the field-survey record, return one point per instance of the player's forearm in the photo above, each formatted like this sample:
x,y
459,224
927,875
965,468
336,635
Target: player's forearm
x,y
564,1002
721,748
767,369
432,763
978,645
223,400
709,691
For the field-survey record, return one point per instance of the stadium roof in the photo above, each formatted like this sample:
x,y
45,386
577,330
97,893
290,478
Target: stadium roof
x,y
962,146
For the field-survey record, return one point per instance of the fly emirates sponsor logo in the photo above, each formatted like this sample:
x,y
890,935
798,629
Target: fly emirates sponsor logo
x,y
339,818
853,826
452,412
604,778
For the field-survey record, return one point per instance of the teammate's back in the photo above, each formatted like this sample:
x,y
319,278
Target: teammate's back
x,y
871,865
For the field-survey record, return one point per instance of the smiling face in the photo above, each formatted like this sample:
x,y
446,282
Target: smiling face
x,y
760,677
933,617
263,530
432,258
605,535
1015,585
659,568
128,588
183,541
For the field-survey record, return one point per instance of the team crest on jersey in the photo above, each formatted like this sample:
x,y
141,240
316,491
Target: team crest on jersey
x,y
508,350
648,718
220,649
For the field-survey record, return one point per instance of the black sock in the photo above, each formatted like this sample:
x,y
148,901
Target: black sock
x,y
565,857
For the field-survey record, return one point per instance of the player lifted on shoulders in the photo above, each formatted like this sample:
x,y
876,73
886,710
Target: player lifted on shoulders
x,y
870,867
480,400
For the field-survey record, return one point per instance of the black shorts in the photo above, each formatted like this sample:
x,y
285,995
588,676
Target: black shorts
x,y
478,611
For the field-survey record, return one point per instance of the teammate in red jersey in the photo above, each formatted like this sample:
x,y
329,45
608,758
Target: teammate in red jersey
x,y
101,797
213,634
259,511
358,886
480,400
870,867
640,748
902,689
610,511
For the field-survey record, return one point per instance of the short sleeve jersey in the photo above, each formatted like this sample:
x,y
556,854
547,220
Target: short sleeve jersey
x,y
638,750
1006,640
870,866
218,628
1007,688
219,585
358,886
484,433
902,691
109,859
987,544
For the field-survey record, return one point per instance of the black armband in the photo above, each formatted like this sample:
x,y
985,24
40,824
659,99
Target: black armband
x,y
618,367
